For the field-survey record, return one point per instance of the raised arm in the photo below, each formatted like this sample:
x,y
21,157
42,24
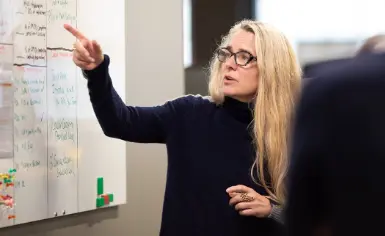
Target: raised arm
x,y
135,124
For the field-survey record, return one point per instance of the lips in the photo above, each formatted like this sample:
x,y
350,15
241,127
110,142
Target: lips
x,y
229,78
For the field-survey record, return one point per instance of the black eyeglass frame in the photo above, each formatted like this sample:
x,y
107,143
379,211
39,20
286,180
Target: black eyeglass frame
x,y
235,56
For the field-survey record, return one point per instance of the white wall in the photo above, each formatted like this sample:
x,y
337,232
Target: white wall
x,y
154,75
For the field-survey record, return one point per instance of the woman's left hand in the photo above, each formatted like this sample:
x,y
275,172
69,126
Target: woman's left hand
x,y
248,202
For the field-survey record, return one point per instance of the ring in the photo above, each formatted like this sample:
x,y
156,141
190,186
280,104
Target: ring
x,y
246,198
74,46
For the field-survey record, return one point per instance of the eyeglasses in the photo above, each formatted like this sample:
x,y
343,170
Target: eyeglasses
x,y
241,58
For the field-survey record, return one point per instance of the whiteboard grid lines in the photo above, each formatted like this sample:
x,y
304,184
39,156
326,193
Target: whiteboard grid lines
x,y
59,49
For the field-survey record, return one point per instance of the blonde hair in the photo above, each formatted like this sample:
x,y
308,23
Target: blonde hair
x,y
278,89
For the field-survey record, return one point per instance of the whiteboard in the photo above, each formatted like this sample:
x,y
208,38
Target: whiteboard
x,y
49,133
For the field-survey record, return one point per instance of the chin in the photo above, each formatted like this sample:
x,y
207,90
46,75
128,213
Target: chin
x,y
227,91
231,92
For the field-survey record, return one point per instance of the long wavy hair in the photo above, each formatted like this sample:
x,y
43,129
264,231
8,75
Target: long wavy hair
x,y
279,84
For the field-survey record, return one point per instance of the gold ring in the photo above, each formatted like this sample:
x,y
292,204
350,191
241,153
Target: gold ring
x,y
246,198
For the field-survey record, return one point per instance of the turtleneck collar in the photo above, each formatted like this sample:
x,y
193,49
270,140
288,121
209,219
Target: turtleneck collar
x,y
241,111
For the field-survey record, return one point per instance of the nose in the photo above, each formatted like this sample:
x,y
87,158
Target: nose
x,y
230,63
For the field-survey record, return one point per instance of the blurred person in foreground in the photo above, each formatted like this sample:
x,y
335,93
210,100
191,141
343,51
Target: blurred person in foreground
x,y
373,44
336,176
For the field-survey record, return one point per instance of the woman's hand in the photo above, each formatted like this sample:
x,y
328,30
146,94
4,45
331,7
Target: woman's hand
x,y
87,54
248,202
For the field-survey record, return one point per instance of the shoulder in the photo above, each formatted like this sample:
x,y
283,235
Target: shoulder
x,y
344,83
190,109
363,70
191,101
313,69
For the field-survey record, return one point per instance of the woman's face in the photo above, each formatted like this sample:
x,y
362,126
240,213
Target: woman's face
x,y
239,67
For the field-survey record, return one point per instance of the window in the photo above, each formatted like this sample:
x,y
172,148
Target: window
x,y
325,28
187,33
315,20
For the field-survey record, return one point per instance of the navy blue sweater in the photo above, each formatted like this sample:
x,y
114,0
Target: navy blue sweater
x,y
209,149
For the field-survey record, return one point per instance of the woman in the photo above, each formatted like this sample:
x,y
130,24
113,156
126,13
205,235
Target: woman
x,y
227,154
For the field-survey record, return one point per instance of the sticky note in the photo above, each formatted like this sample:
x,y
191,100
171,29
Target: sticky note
x,y
106,199
99,202
100,188
111,197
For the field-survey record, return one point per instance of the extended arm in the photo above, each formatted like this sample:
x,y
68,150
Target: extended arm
x,y
135,124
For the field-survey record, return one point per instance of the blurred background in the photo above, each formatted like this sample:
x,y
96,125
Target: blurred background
x,y
318,29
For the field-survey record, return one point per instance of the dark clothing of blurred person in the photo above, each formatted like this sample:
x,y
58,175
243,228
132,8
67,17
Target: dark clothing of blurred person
x,y
336,176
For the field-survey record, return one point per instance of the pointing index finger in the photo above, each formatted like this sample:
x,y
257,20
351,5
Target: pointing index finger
x,y
74,32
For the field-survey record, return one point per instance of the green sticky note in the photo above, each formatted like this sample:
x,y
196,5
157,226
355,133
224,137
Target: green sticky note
x,y
99,202
100,188
111,197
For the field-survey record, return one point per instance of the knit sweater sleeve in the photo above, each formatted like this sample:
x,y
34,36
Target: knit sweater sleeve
x,y
129,123
276,213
